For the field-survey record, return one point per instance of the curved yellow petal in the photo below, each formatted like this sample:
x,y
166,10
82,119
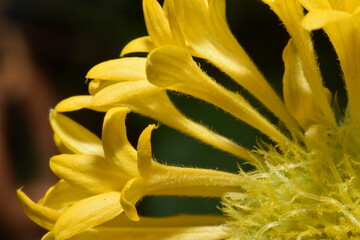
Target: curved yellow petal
x,y
89,172
123,92
156,22
343,30
183,220
86,214
151,101
345,5
298,96
117,148
318,4
144,152
206,30
49,236
122,69
177,181
73,103
291,14
96,85
74,136
41,215
173,67
175,13
319,18
130,195
142,44
345,37
153,233
60,145
62,195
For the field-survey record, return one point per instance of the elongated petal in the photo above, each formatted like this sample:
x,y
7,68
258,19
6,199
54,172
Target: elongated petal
x,y
297,93
178,181
345,37
184,220
87,214
175,13
156,22
346,5
74,136
174,68
49,236
96,85
62,195
41,215
117,148
291,14
122,69
175,233
142,44
132,192
343,30
206,30
124,92
60,145
144,152
317,19
89,172
319,4
73,103
151,101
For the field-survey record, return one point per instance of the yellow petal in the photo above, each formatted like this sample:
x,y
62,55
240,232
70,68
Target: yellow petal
x,y
117,148
89,172
43,216
151,101
122,69
174,233
73,103
123,92
174,68
96,85
175,13
62,195
148,100
318,4
346,5
184,220
298,96
343,30
156,22
206,31
87,214
60,145
177,181
74,136
144,152
291,14
130,195
49,236
317,19
345,37
142,44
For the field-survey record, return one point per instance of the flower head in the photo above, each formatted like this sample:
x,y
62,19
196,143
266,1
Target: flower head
x,y
305,183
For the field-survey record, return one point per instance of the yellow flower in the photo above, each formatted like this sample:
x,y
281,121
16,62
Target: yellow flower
x,y
305,183
97,175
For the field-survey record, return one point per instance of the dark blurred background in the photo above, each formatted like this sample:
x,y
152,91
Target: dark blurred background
x,y
64,39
